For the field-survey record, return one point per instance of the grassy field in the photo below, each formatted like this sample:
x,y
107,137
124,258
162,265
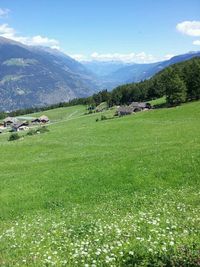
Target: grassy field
x,y
158,101
119,192
62,113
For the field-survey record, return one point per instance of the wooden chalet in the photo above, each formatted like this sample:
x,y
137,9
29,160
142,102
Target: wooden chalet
x,y
139,106
132,108
9,121
124,110
20,126
43,119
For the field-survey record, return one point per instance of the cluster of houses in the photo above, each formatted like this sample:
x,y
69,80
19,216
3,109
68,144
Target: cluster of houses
x,y
16,124
133,108
21,124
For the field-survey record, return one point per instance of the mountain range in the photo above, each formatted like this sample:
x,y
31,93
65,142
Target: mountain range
x,y
116,73
33,76
37,76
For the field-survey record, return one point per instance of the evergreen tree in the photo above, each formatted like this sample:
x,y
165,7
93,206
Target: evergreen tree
x,y
191,73
175,88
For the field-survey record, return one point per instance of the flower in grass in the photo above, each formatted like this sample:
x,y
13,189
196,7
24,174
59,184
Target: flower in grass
x,y
98,253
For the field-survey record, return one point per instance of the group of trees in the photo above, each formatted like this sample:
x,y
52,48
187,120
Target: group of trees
x,y
179,83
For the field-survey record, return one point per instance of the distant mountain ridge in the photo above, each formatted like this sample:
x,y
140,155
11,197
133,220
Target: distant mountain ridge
x,y
33,76
104,68
128,73
37,76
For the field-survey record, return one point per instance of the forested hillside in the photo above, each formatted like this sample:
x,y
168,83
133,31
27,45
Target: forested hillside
x,y
179,83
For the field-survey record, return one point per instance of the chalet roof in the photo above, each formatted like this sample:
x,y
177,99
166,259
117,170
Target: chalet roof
x,y
138,104
17,125
43,118
126,109
35,119
10,119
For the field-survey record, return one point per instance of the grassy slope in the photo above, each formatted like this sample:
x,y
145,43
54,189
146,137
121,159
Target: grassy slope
x,y
61,113
158,101
83,171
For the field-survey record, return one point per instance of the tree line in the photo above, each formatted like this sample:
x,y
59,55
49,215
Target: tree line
x,y
179,83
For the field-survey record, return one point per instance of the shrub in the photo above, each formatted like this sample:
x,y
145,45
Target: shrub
x,y
13,137
97,119
89,112
103,117
31,132
43,129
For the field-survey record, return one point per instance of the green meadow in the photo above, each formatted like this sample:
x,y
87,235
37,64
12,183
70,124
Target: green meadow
x,y
117,192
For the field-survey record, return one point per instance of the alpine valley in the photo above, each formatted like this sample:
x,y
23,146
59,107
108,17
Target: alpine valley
x,y
32,76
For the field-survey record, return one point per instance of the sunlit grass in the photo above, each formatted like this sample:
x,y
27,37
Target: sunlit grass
x,y
158,101
120,192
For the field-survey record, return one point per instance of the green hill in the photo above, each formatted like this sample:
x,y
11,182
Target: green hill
x,y
120,192
178,83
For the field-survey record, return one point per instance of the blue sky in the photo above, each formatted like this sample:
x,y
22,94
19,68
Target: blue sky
x,y
130,30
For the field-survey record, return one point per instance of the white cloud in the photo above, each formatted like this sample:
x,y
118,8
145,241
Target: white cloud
x,y
39,40
4,12
141,57
191,28
196,42
130,57
8,32
79,57
126,58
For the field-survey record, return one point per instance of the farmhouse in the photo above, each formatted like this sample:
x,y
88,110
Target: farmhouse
x,y
9,121
42,119
132,108
21,126
139,106
124,110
